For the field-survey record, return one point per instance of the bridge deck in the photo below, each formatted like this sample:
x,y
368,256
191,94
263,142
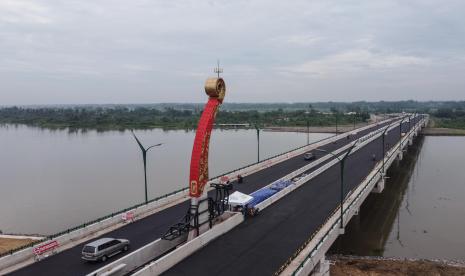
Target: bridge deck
x,y
260,245
154,226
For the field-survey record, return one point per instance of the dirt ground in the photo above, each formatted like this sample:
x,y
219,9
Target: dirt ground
x,y
7,244
389,267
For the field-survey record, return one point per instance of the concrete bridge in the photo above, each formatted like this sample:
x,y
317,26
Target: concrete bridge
x,y
290,236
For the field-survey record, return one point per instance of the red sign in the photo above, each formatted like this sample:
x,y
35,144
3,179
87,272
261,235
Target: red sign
x,y
199,160
128,216
224,179
198,177
45,247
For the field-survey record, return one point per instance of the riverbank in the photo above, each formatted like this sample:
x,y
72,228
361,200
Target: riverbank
x,y
374,266
434,129
438,131
314,129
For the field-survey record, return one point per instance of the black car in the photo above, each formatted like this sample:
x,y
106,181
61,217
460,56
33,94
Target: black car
x,y
309,156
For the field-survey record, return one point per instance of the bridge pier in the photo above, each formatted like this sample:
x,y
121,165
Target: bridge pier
x,y
379,186
400,155
355,221
322,268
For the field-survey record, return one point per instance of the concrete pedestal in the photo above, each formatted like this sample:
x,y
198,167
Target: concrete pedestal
x,y
322,269
201,215
400,156
379,187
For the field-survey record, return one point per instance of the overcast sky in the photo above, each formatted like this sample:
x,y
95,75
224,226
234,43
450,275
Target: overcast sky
x,y
120,51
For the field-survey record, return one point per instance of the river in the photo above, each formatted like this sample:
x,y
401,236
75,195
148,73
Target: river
x,y
56,179
421,213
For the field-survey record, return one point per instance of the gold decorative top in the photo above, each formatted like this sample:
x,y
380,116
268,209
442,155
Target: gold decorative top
x,y
215,88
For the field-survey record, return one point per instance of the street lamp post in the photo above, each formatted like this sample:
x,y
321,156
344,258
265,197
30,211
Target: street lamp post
x,y
342,162
409,126
257,128
308,123
336,124
384,145
144,158
308,132
400,131
355,117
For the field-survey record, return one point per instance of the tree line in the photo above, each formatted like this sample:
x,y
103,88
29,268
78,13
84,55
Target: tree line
x,y
120,118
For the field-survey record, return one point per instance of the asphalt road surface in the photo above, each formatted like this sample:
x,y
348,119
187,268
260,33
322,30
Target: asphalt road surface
x,y
146,230
262,244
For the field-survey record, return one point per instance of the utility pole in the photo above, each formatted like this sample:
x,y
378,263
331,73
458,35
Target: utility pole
x,y
218,69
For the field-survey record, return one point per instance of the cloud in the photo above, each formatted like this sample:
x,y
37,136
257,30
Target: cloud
x,y
93,48
301,40
355,60
23,11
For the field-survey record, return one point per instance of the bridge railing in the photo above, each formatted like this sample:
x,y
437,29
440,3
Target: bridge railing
x,y
393,151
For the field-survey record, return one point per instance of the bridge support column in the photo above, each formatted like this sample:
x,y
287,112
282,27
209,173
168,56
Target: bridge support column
x,y
400,155
322,269
379,187
355,221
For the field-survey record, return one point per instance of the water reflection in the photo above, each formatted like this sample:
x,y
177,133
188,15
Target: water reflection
x,y
421,213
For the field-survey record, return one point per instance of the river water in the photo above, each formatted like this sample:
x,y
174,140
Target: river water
x,y
52,180
421,213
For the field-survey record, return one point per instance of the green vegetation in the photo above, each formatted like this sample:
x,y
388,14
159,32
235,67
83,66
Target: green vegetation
x,y
185,116
99,118
143,118
449,118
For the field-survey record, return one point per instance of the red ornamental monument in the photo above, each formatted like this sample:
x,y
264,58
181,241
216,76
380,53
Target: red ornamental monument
x,y
215,89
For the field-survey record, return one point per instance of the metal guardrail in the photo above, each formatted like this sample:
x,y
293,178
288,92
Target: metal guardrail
x,y
347,209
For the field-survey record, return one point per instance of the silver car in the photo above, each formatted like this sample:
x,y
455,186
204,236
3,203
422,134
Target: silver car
x,y
104,248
